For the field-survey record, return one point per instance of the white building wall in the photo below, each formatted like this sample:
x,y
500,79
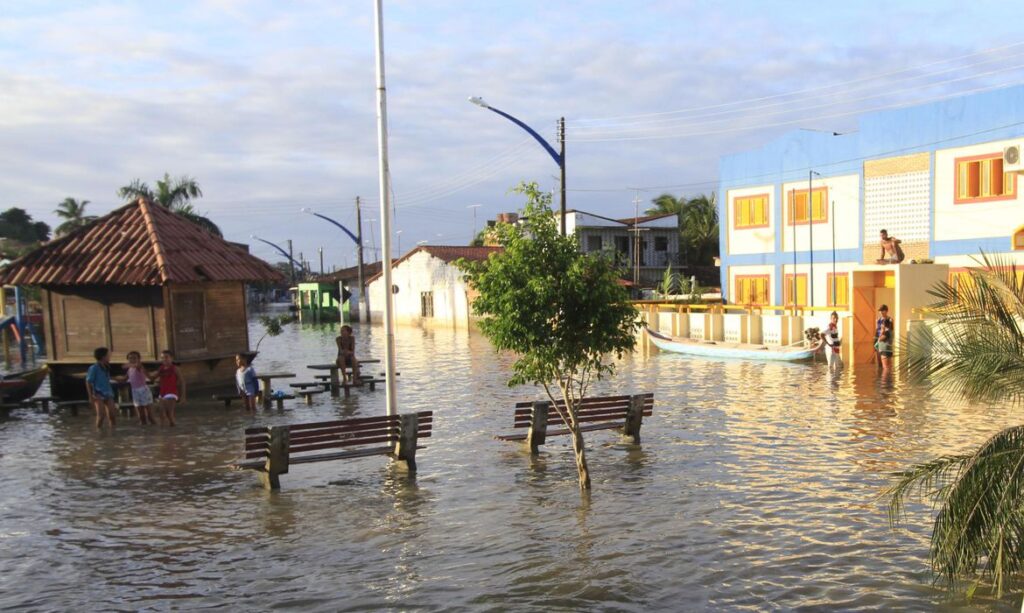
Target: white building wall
x,y
749,240
845,192
423,272
821,281
975,219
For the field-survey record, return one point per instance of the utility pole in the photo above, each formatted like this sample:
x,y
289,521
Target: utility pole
x,y
321,260
561,142
475,207
359,254
291,260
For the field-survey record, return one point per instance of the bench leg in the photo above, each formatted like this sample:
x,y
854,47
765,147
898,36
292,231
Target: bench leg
x,y
277,461
74,410
280,403
538,426
634,419
405,450
348,389
373,385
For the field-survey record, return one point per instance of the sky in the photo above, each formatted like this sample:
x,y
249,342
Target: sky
x,y
271,107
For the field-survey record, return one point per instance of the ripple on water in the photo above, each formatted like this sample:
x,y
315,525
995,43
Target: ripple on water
x,y
755,489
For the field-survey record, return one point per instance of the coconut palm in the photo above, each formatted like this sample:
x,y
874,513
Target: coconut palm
x,y
975,349
666,203
73,213
175,194
700,228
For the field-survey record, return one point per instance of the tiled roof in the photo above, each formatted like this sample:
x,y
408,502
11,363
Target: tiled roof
x,y
138,244
351,273
447,253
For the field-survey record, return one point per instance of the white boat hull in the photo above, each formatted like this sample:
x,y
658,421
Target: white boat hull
x,y
739,351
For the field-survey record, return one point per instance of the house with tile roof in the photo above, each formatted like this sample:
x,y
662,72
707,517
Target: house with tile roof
x,y
145,279
646,245
428,289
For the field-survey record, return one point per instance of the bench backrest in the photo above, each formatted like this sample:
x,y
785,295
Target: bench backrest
x,y
594,409
336,434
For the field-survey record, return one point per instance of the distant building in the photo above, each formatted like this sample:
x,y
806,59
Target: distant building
x,y
658,246
429,289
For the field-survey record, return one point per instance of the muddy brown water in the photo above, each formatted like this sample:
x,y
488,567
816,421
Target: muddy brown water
x,y
755,489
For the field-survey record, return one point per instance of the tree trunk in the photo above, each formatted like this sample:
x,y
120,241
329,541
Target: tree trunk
x,y
581,458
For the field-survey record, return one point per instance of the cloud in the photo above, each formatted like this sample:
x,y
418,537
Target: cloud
x,y
273,108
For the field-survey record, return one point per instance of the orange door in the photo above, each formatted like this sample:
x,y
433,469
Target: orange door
x,y
863,325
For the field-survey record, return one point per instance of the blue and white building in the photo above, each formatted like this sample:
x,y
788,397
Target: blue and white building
x,y
942,177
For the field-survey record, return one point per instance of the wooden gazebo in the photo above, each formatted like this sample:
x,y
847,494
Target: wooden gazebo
x,y
142,278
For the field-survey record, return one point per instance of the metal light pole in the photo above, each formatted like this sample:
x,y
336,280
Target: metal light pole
x,y
810,230
559,158
385,214
792,219
286,254
358,238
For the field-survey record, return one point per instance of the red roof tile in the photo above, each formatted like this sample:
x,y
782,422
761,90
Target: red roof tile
x,y
138,244
447,253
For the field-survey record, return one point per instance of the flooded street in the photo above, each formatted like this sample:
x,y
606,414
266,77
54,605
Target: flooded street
x,y
755,489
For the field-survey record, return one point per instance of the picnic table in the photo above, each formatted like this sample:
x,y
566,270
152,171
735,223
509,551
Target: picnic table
x,y
335,373
265,379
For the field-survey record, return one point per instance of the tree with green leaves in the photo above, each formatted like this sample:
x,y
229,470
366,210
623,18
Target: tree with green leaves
x,y
698,225
16,224
973,348
73,213
562,312
174,194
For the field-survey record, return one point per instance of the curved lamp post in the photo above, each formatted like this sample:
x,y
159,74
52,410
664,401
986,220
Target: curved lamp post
x,y
359,252
291,261
558,157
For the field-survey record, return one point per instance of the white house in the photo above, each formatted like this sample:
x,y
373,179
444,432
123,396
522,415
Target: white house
x,y
658,240
428,288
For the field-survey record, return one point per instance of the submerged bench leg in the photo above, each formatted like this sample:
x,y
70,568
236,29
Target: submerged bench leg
x,y
634,419
538,426
277,461
408,431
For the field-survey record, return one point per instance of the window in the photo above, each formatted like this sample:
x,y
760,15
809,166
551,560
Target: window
x,y
426,304
594,243
1018,239
801,290
661,243
980,178
838,290
751,289
751,211
796,201
622,248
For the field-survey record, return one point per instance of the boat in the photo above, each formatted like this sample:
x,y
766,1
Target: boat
x,y
19,386
719,349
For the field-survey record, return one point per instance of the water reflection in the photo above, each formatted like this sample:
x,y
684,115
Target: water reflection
x,y
755,488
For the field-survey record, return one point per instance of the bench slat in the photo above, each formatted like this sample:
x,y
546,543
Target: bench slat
x,y
649,402
322,437
333,445
341,455
356,430
555,419
588,399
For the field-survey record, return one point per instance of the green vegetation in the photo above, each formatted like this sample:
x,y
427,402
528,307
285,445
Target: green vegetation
x,y
273,326
174,194
73,213
560,311
975,350
698,225
19,233
678,288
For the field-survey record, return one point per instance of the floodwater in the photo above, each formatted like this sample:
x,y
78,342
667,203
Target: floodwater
x,y
755,489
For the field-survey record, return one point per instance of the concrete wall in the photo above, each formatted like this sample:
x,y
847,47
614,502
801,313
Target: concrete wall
x,y
420,273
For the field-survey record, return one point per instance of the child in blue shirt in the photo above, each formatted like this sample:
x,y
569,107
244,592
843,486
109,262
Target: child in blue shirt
x,y
97,383
245,380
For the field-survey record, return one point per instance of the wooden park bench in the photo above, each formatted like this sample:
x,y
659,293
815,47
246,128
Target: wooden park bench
x,y
227,399
270,450
308,394
623,413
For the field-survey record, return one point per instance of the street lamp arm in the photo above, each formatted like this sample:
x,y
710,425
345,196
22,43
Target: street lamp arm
x,y
281,251
540,139
343,228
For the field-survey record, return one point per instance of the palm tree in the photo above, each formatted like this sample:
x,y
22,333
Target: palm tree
x,y
974,349
666,203
699,220
73,213
174,194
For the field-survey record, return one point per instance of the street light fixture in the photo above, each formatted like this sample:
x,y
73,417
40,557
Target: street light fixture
x,y
558,156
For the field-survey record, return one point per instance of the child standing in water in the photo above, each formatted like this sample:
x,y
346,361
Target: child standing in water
x,y
97,383
884,346
245,380
172,386
831,342
138,379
